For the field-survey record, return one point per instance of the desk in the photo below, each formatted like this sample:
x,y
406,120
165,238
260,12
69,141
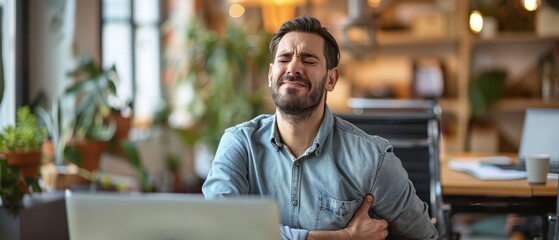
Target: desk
x,y
465,193
456,183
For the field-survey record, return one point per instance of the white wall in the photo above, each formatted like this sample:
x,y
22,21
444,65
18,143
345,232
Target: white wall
x,y
59,32
87,35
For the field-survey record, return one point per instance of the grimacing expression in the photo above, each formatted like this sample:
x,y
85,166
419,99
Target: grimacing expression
x,y
299,76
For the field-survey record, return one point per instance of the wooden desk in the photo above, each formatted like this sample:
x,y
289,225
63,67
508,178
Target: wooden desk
x,y
454,183
465,193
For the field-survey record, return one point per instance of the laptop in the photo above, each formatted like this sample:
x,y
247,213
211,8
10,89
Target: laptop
x,y
169,217
540,135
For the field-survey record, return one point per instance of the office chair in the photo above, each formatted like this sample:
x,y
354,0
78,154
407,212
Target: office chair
x,y
413,129
553,221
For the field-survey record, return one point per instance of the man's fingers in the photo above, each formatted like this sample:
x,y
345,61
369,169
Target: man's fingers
x,y
365,205
383,223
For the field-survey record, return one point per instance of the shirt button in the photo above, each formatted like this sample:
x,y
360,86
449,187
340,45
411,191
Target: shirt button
x,y
294,202
297,164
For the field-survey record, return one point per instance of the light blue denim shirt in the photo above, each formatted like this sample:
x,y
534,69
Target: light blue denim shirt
x,y
321,189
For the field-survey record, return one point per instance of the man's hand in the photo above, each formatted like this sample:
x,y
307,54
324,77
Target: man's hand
x,y
361,226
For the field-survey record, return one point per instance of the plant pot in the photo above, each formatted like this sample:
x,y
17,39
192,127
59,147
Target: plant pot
x,y
91,151
27,162
48,152
121,134
122,126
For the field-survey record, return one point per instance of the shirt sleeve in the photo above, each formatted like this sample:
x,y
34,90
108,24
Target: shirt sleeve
x,y
229,169
287,233
227,177
396,201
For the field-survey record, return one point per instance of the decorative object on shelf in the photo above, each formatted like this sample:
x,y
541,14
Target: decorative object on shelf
x,y
21,147
485,90
549,77
428,81
546,19
358,30
490,27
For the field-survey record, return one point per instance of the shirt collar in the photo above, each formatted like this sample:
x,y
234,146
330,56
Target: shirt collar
x,y
325,128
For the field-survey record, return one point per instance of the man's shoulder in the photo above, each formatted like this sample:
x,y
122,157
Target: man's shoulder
x,y
259,123
349,130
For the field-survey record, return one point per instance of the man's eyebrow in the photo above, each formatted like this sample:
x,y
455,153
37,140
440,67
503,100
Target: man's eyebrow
x,y
285,54
302,54
309,55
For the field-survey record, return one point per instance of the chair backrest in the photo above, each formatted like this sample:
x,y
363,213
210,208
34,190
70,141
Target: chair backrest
x,y
413,128
553,221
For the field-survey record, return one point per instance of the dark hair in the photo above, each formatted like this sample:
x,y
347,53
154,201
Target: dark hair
x,y
310,25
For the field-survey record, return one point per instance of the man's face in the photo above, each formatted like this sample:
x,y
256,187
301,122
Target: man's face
x,y
298,75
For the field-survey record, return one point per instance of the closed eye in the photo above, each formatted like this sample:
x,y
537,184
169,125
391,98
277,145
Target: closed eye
x,y
283,59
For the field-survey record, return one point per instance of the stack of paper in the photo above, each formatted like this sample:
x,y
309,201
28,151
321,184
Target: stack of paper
x,y
485,172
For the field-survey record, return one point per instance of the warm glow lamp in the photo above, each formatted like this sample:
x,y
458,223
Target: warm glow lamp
x,y
274,12
530,5
476,21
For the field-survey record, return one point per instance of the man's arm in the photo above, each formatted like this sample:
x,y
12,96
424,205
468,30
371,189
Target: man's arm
x,y
361,226
397,202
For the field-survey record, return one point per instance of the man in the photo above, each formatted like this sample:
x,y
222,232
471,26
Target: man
x,y
322,171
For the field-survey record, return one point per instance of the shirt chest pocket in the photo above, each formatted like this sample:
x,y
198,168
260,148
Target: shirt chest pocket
x,y
334,214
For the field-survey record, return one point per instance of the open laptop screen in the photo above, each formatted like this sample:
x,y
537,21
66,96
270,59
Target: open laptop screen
x,y
540,134
169,216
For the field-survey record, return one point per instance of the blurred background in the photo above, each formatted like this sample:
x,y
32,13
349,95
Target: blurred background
x,y
153,84
194,67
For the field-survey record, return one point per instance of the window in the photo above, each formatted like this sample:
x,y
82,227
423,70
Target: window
x,y
131,41
7,53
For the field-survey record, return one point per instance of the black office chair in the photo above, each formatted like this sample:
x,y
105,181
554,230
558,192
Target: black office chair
x,y
413,129
553,221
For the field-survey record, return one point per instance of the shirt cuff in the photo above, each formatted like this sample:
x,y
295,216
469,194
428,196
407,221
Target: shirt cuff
x,y
287,233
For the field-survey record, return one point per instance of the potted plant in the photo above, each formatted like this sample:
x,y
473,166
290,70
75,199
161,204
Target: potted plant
x,y
59,128
20,147
221,72
133,156
485,90
94,127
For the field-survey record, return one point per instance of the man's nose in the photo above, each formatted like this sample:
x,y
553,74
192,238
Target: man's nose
x,y
294,67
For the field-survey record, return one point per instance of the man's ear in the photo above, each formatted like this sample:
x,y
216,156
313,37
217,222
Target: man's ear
x,y
270,74
333,75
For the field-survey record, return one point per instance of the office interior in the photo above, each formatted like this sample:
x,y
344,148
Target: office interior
x,y
177,84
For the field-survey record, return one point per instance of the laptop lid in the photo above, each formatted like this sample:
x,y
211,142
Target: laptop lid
x,y
540,133
169,216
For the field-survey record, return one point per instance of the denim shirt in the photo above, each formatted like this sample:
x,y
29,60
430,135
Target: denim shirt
x,y
321,189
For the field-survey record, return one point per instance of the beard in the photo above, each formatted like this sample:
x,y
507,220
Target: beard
x,y
292,104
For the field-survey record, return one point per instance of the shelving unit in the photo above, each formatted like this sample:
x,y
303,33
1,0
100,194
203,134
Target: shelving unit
x,y
462,52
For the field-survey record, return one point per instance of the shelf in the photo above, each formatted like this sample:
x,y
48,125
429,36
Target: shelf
x,y
514,38
406,44
386,39
520,104
464,55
